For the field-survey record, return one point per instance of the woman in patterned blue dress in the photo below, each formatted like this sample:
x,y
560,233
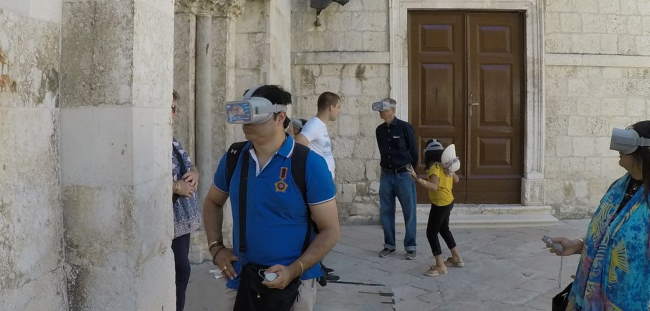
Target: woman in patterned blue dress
x,y
614,268
186,212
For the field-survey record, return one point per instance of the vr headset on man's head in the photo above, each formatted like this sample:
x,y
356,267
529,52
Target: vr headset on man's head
x,y
626,141
252,109
382,106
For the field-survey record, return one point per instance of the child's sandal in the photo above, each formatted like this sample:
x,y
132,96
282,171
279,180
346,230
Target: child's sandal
x,y
434,272
454,263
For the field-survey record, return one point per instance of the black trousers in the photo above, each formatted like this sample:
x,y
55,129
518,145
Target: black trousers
x,y
439,224
181,248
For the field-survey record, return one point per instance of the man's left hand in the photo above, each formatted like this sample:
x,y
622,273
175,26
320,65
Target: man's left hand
x,y
285,276
192,177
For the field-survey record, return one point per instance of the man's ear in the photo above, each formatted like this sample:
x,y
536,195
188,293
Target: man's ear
x,y
281,116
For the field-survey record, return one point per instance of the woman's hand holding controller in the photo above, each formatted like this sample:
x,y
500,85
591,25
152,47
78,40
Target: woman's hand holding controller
x,y
567,247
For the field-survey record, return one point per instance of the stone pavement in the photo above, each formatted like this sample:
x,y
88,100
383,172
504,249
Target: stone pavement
x,y
506,269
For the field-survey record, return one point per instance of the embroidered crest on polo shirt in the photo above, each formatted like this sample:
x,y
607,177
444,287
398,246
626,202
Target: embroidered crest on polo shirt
x,y
281,185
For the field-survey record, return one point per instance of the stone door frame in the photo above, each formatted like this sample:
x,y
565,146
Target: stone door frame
x,y
532,186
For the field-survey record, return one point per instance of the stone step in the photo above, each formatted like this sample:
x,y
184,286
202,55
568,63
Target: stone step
x,y
489,215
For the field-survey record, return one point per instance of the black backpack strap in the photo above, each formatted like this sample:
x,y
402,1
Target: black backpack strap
x,y
243,194
298,168
231,163
231,159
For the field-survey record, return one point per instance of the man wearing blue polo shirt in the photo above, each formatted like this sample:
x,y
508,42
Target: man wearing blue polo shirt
x,y
276,214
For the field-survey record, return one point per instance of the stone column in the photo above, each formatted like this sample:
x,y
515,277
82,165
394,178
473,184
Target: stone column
x,y
184,74
206,155
213,25
205,159
115,153
279,39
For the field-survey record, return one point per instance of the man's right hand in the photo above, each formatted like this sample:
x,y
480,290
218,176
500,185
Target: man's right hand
x,y
183,188
224,260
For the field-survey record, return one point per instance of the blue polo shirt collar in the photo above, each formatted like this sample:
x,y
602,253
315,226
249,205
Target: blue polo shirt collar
x,y
286,150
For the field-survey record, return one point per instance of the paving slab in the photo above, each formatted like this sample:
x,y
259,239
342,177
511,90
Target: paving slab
x,y
506,269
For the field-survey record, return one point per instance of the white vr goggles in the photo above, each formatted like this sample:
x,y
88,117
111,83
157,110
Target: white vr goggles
x,y
626,141
382,106
251,110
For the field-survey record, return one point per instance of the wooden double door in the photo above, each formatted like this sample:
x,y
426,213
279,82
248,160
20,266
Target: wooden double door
x,y
466,86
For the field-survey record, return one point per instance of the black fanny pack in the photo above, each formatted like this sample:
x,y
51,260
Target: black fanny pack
x,y
252,295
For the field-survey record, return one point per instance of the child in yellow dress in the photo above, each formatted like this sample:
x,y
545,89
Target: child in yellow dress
x,y
439,182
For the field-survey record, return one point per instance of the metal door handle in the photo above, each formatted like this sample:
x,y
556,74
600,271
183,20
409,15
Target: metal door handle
x,y
471,106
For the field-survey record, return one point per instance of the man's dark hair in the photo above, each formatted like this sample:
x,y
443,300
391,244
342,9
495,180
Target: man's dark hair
x,y
175,95
275,94
326,100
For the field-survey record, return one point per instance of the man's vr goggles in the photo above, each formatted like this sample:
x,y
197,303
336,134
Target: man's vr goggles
x,y
626,141
251,110
382,106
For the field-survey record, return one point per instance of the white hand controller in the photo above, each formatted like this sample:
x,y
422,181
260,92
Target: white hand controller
x,y
270,276
557,247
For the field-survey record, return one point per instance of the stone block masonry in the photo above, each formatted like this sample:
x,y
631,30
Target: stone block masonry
x,y
619,27
353,134
115,153
579,119
32,276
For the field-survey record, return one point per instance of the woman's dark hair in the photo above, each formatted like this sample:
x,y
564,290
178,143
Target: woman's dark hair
x,y
432,156
642,154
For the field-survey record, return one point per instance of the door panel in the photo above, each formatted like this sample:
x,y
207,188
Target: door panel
x,y
465,87
437,74
495,57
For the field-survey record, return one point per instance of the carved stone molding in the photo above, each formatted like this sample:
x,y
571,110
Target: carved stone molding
x,y
224,8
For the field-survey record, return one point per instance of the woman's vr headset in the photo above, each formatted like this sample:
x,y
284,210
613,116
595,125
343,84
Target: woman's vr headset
x,y
626,141
251,110
382,106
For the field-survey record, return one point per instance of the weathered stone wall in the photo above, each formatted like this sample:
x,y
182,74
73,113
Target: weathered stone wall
x,y
343,53
184,75
115,153
597,78
358,26
251,45
31,223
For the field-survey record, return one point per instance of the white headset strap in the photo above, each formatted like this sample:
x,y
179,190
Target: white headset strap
x,y
641,141
249,93
271,108
644,142
389,104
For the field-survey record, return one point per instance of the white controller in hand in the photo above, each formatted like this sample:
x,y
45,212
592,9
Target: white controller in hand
x,y
557,247
270,276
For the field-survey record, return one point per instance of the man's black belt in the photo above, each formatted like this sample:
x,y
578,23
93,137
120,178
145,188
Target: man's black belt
x,y
395,170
